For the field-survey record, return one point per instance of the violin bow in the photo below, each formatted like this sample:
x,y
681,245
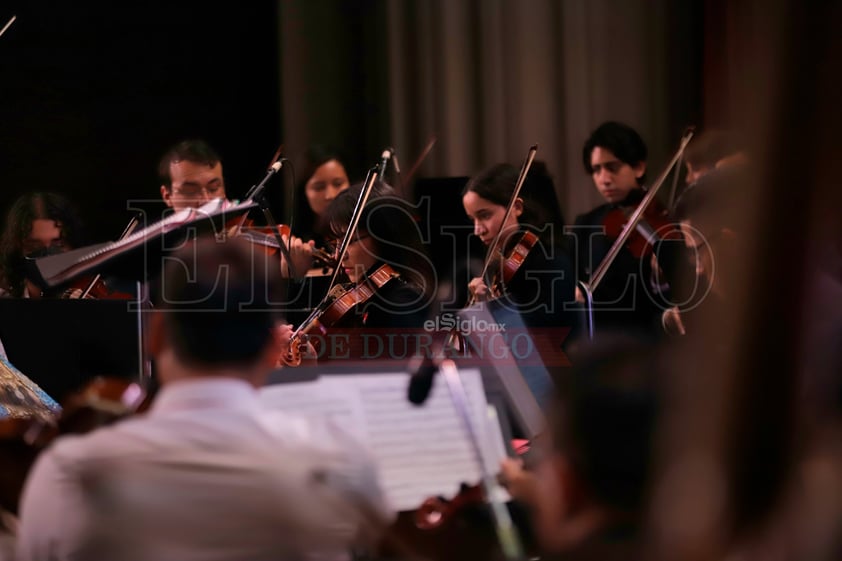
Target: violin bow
x,y
418,161
674,187
130,227
8,25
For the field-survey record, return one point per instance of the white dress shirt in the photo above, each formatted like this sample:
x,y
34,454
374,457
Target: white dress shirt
x,y
207,474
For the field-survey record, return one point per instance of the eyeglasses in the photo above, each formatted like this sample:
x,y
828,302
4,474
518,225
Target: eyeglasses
x,y
335,244
195,190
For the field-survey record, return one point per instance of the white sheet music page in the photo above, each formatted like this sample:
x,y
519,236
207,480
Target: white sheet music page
x,y
422,451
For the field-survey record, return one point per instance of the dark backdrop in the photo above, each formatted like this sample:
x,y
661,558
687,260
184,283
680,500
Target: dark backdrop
x,y
92,93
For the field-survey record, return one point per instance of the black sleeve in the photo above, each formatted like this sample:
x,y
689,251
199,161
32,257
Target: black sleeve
x,y
396,305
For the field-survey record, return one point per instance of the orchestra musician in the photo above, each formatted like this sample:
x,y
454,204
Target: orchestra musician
x,y
485,198
540,288
191,175
323,177
631,296
385,304
37,224
207,472
709,215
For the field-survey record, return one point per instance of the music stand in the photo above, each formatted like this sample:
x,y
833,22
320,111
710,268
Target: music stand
x,y
137,257
63,344
525,385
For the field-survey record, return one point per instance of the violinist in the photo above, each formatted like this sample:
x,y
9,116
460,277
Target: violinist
x,y
207,472
631,296
711,149
191,175
391,278
37,224
388,233
709,215
323,177
540,289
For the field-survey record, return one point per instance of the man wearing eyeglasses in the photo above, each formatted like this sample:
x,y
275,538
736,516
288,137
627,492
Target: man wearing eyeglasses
x,y
191,175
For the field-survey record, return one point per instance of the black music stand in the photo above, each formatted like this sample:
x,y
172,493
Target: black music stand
x,y
62,344
448,235
139,256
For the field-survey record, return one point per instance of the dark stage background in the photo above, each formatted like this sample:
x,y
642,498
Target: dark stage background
x,y
93,93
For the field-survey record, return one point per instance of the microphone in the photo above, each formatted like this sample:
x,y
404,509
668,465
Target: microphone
x,y
422,371
256,192
384,161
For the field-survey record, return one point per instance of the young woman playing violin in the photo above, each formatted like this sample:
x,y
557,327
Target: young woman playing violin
x,y
539,283
532,276
380,313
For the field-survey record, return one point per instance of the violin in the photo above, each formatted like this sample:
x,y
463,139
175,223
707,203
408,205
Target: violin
x,y
264,236
461,527
436,511
339,304
93,288
512,261
653,226
101,402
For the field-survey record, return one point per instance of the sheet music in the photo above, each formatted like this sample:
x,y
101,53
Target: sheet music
x,y
176,219
56,269
421,451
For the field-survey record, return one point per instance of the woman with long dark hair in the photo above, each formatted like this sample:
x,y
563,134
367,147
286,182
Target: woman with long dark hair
x,y
323,177
391,279
37,224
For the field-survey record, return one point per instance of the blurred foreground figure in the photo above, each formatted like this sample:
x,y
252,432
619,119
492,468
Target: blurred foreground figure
x,y
589,491
207,473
